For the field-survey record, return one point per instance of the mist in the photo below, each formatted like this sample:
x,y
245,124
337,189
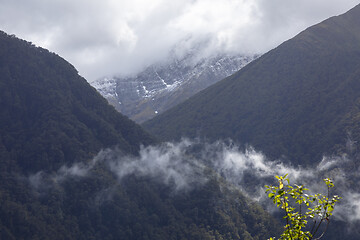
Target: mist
x,y
186,165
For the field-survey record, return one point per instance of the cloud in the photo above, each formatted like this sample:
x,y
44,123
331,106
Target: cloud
x,y
182,165
121,37
186,165
168,164
350,208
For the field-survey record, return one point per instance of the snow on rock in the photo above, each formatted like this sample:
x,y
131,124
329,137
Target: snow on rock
x,y
161,86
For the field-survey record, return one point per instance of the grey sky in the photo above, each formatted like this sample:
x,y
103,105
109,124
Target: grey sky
x,y
107,37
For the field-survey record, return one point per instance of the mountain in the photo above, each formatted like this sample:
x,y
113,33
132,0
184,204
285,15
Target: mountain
x,y
50,115
299,101
164,85
72,167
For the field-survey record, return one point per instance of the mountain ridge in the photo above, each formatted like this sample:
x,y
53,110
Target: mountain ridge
x,y
161,86
283,102
37,102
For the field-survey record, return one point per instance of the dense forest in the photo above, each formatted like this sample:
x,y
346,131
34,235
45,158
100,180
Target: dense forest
x,y
52,127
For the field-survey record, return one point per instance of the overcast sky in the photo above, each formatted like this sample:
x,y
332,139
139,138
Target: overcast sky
x,y
107,37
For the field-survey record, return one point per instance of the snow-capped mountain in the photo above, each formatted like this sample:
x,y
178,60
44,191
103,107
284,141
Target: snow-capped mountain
x,y
162,86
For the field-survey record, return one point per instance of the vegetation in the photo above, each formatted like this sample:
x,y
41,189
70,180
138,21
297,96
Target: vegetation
x,y
317,208
50,117
297,101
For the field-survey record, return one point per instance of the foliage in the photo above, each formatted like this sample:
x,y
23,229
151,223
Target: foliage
x,y
317,208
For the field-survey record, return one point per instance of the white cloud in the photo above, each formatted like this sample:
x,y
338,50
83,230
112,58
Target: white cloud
x,y
168,163
185,165
108,37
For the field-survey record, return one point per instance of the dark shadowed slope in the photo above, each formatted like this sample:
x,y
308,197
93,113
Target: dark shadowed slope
x,y
50,115
52,124
300,100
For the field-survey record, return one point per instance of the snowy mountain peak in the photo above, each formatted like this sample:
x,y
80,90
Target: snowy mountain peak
x,y
162,86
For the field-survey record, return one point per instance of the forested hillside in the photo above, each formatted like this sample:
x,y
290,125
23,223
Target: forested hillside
x,y
54,183
299,101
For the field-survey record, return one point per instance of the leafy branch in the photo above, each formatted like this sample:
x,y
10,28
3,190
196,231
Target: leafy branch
x,y
301,207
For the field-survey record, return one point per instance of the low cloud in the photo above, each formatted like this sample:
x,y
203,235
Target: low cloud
x,y
182,167
168,163
349,209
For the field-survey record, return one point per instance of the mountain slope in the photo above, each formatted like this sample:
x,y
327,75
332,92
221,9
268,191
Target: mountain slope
x,y
295,101
162,86
46,105
55,184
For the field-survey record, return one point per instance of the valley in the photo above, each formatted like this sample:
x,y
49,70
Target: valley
x,y
75,163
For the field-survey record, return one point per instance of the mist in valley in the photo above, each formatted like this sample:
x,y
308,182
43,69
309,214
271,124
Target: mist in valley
x,y
188,164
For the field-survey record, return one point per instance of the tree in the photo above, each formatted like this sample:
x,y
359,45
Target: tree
x,y
316,208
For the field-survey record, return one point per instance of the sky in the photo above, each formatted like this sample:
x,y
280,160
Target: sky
x,y
121,37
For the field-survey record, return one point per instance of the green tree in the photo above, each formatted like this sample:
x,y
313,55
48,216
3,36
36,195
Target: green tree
x,y
304,213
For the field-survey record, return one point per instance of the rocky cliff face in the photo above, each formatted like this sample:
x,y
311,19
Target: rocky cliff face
x,y
162,86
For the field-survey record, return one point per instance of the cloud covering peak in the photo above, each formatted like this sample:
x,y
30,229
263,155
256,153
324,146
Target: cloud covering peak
x,y
121,37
